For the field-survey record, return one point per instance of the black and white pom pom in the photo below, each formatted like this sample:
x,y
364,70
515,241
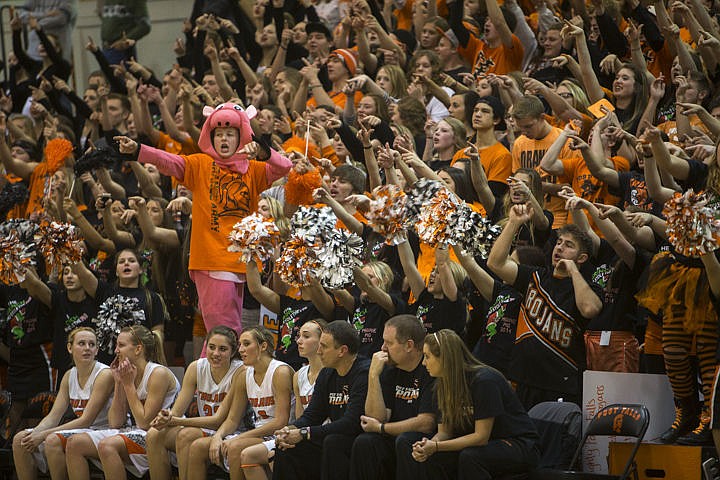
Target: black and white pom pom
x,y
340,253
312,222
422,192
474,233
114,314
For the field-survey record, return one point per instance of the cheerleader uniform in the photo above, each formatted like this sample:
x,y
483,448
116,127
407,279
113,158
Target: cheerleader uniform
x,y
134,438
261,399
79,398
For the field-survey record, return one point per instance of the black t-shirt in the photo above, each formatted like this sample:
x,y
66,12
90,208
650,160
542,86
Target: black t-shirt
x,y
149,301
293,315
67,316
492,397
369,319
549,350
633,191
408,394
439,313
619,284
494,348
339,398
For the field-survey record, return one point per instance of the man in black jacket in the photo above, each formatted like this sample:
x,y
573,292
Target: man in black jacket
x,y
311,448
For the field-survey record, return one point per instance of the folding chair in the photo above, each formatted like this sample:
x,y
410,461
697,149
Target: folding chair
x,y
614,420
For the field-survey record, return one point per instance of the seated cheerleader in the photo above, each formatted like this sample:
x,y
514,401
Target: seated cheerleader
x,y
87,388
484,432
373,305
267,388
441,303
211,378
292,313
254,459
142,389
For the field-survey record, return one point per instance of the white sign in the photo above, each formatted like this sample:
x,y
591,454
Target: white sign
x,y
601,389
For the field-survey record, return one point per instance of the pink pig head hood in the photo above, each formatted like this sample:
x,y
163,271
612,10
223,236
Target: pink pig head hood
x,y
228,115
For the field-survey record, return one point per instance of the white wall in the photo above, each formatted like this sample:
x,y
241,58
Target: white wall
x,y
154,51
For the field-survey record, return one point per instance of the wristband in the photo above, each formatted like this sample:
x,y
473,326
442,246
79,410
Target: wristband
x,y
317,85
382,429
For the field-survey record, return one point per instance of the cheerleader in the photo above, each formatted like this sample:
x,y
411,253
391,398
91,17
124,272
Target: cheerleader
x,y
142,388
254,459
86,388
211,378
267,387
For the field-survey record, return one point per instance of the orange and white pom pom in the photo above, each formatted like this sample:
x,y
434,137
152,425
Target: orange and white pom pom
x,y
15,257
387,213
60,244
255,237
298,264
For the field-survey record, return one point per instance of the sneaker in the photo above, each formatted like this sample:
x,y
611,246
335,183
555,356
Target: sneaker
x,y
684,421
702,435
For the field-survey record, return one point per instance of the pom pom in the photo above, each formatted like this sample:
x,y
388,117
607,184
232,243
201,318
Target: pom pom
x,y
59,244
96,158
435,225
340,253
297,144
298,262
254,237
13,194
474,233
15,257
387,213
299,187
422,192
114,314
56,151
314,223
691,225
25,229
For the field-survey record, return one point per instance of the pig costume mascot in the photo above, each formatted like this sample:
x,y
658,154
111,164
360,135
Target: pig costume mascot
x,y
226,187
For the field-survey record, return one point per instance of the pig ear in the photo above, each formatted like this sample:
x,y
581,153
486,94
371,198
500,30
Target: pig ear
x,y
207,110
251,112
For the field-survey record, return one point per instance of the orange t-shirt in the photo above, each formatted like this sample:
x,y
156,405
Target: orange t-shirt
x,y
527,153
221,198
338,99
504,59
670,128
404,16
170,145
589,187
496,161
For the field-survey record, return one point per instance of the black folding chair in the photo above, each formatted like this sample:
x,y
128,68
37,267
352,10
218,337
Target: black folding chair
x,y
614,420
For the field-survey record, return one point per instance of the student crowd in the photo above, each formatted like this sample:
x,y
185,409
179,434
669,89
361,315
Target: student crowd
x,y
586,131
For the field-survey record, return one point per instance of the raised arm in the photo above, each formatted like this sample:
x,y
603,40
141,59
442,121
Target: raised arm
x,y
414,278
375,294
159,236
266,296
590,81
498,20
479,181
480,278
499,259
36,288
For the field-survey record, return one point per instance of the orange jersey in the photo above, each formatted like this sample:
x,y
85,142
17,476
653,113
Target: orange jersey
x,y
170,145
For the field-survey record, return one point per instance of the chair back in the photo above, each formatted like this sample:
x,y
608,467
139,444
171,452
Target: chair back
x,y
621,420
